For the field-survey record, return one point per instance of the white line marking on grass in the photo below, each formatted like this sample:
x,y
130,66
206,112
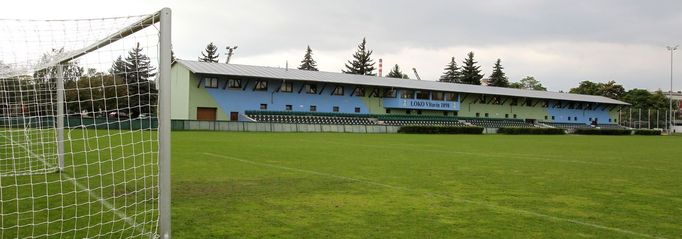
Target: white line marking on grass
x,y
503,155
82,187
481,203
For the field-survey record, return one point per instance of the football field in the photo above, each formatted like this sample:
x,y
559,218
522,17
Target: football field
x,y
327,185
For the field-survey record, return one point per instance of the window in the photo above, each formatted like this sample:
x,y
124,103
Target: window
x,y
390,93
419,112
437,96
338,90
359,91
454,113
571,105
211,82
514,101
388,111
609,120
311,89
545,104
514,116
478,115
313,108
335,109
288,107
406,94
552,117
287,87
615,120
482,99
357,109
445,113
546,117
486,115
375,93
590,119
423,95
529,102
450,96
263,106
261,86
506,115
234,84
408,112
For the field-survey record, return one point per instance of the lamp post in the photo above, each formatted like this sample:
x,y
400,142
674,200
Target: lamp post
x,y
670,94
230,52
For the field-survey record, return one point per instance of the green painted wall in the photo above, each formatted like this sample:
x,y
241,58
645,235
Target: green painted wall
x,y
199,97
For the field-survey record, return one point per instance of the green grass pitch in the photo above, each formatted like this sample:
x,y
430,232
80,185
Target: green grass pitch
x,y
318,185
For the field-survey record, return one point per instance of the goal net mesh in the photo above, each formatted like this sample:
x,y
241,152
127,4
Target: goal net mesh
x,y
95,175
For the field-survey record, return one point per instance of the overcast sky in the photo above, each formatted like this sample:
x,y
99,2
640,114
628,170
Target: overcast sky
x,y
559,42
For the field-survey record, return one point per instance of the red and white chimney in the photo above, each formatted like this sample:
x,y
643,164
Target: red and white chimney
x,y
381,67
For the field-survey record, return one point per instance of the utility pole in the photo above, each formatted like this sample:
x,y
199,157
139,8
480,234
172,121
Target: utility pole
x,y
670,94
230,52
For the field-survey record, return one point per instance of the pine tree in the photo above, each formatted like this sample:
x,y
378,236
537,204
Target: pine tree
x,y
308,63
138,75
118,68
498,78
471,74
211,54
362,64
451,73
397,73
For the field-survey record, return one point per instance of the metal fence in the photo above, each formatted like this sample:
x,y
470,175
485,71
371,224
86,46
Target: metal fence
x,y
647,118
277,127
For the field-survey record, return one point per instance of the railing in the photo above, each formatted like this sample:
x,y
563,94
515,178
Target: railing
x,y
179,125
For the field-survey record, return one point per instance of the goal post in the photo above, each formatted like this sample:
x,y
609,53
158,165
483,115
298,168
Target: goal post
x,y
85,127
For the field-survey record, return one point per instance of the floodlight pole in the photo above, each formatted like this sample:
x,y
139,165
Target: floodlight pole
x,y
60,116
670,94
164,122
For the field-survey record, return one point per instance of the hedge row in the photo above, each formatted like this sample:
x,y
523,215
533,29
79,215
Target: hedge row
x,y
530,131
647,132
603,131
439,130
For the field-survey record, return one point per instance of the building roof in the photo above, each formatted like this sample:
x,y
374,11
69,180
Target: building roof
x,y
341,78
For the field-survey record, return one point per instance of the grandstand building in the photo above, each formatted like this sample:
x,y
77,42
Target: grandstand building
x,y
229,92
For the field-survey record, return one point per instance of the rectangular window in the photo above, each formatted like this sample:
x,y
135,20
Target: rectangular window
x,y
311,89
478,115
546,117
408,112
486,115
313,108
609,120
388,111
419,112
514,116
445,113
234,84
288,107
211,82
287,87
506,115
263,106
359,91
423,95
261,85
406,94
357,109
552,117
514,101
375,93
529,102
335,109
454,113
338,90
390,93
437,96
545,104
450,96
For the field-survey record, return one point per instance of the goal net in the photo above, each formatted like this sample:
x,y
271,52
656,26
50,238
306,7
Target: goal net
x,y
83,134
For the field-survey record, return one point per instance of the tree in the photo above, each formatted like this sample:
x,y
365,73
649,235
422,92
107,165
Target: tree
x,y
471,74
451,73
528,83
397,73
211,54
498,78
611,90
138,75
118,68
361,64
638,98
586,88
308,63
95,94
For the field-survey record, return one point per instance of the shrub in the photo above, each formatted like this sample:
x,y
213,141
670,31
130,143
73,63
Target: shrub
x,y
514,130
647,132
603,131
439,130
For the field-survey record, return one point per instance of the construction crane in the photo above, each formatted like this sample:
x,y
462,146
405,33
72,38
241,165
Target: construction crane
x,y
416,74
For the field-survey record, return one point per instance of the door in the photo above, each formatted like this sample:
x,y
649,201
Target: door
x,y
234,116
204,113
